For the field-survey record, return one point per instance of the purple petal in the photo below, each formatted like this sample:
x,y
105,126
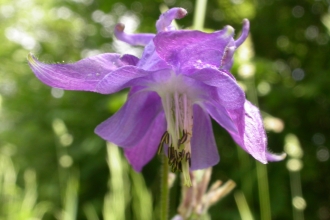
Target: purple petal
x,y
130,76
204,152
231,96
133,39
222,117
129,59
184,49
82,75
132,121
275,157
245,33
245,127
233,124
165,19
227,57
255,139
141,153
150,59
119,79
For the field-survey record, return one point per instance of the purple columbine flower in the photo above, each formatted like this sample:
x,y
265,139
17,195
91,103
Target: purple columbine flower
x,y
180,81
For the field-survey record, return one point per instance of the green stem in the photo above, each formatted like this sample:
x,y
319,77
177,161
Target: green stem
x,y
263,191
199,15
164,190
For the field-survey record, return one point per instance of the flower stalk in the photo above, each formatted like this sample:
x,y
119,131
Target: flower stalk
x,y
164,199
199,16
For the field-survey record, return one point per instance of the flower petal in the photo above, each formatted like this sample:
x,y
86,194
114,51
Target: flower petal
x,y
231,96
184,48
150,59
204,152
133,39
165,19
255,139
132,121
222,117
82,75
119,79
141,153
245,33
245,127
275,157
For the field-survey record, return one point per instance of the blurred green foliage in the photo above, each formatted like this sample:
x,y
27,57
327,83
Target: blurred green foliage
x,y
48,133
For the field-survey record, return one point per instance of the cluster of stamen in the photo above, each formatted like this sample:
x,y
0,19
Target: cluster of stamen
x,y
177,101
175,156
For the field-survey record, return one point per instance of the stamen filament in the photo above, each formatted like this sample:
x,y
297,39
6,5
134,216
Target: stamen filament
x,y
185,110
178,107
177,114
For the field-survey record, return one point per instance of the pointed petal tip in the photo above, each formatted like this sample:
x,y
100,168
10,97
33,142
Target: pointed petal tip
x,y
271,157
181,12
246,26
176,13
31,59
166,18
244,34
246,22
119,27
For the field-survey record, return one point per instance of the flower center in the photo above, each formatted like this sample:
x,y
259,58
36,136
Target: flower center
x,y
178,97
179,116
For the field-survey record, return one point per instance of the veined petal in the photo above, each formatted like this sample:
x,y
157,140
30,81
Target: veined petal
x,y
255,139
245,127
141,153
231,96
82,75
204,152
119,79
189,48
222,117
150,59
132,121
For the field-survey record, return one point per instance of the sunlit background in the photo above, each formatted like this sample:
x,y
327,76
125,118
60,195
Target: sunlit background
x,y
53,166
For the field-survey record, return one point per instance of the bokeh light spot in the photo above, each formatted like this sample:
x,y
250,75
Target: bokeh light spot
x,y
322,154
299,203
298,74
294,164
7,11
292,146
66,139
298,11
65,161
273,124
263,88
97,16
246,70
57,93
318,139
283,41
324,213
137,6
311,32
